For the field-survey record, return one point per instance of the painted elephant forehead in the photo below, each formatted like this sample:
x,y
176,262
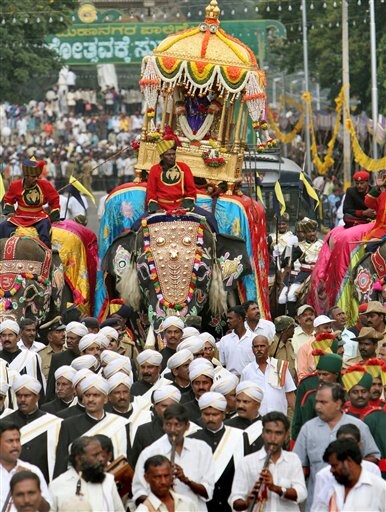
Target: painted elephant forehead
x,y
121,260
174,249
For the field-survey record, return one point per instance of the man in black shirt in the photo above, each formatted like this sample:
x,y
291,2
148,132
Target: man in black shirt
x,y
355,210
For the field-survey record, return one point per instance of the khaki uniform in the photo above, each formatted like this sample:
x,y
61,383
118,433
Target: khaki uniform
x,y
46,356
285,352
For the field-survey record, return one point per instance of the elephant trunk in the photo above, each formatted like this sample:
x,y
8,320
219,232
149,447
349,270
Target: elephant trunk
x,y
217,292
128,286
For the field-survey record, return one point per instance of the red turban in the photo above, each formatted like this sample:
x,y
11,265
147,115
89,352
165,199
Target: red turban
x,y
361,176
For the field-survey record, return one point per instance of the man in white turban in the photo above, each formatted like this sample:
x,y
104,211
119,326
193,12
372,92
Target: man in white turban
x,y
4,389
172,330
119,395
150,369
201,375
64,389
90,345
226,383
78,407
193,343
179,372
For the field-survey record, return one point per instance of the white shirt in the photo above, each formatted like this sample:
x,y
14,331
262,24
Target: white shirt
x,y
5,479
35,347
368,494
235,353
350,347
286,472
299,338
181,504
70,207
274,398
324,484
196,460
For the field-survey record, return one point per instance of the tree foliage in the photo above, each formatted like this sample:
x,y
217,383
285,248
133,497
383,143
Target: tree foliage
x,y
24,57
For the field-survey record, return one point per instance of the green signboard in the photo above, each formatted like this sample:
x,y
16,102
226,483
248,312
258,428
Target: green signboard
x,y
127,43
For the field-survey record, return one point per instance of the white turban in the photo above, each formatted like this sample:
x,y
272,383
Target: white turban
x,y
86,341
66,372
212,399
110,331
117,379
170,321
80,375
109,355
102,340
26,381
207,337
202,367
4,386
268,329
86,361
165,392
193,343
11,325
121,364
150,356
94,381
226,382
77,328
189,331
251,389
179,358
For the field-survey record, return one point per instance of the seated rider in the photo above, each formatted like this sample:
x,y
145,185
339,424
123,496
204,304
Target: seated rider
x,y
30,194
355,210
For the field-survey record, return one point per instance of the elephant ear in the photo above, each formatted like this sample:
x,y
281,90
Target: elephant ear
x,y
123,242
233,258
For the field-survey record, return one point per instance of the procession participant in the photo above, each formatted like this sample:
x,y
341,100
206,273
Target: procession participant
x,y
328,368
90,362
56,339
339,316
64,390
367,340
252,315
78,407
147,433
119,319
201,375
89,345
30,194
248,399
91,323
149,368
178,364
355,210
172,331
25,492
324,479
382,352
194,344
4,389
304,331
39,429
307,253
10,464
357,382
375,314
374,367
193,464
226,384
235,349
189,331
170,184
277,242
93,421
210,348
113,336
27,336
119,395
74,332
272,376
19,361
226,443
85,482
158,475
355,488
316,434
279,471
281,347
375,199
120,364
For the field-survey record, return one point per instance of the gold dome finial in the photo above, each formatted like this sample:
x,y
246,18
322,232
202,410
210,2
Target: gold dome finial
x,y
212,10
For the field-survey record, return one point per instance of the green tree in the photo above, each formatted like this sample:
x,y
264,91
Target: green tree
x,y
24,57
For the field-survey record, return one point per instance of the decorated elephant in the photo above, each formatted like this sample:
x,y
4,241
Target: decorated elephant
x,y
175,264
368,276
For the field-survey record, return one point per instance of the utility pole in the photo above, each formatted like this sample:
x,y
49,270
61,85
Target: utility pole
x,y
346,85
374,87
307,88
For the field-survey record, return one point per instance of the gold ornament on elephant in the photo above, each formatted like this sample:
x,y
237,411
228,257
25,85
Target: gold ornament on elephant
x,y
174,253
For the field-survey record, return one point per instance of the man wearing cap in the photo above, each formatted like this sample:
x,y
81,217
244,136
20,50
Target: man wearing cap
x,y
375,314
339,316
27,336
119,395
74,332
170,184
93,344
4,390
78,407
367,339
355,210
374,367
226,384
304,331
178,364
172,329
93,421
30,194
195,344
357,382
39,429
248,400
201,375
150,368
282,348
56,339
277,242
21,361
328,368
226,444
64,389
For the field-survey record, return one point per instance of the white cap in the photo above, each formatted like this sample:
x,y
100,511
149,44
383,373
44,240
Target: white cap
x,y
81,374
149,356
26,381
117,379
102,340
179,358
77,328
189,331
109,355
121,364
165,392
86,361
268,329
193,343
199,367
251,389
4,386
94,381
11,325
207,337
322,320
86,341
212,399
65,371
226,383
171,321
110,331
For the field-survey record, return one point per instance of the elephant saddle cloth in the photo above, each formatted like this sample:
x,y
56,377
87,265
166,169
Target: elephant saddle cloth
x,y
379,263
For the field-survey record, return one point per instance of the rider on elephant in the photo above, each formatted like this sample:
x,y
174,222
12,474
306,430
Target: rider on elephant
x,y
355,210
376,199
30,194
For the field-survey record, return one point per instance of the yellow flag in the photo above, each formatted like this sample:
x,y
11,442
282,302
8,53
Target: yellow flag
x,y
82,189
258,191
309,189
2,189
280,197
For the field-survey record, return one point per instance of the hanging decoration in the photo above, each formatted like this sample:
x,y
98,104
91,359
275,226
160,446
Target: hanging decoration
x,y
370,164
285,138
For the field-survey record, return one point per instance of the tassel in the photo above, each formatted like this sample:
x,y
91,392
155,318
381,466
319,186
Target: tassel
x,y
150,338
217,292
128,286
